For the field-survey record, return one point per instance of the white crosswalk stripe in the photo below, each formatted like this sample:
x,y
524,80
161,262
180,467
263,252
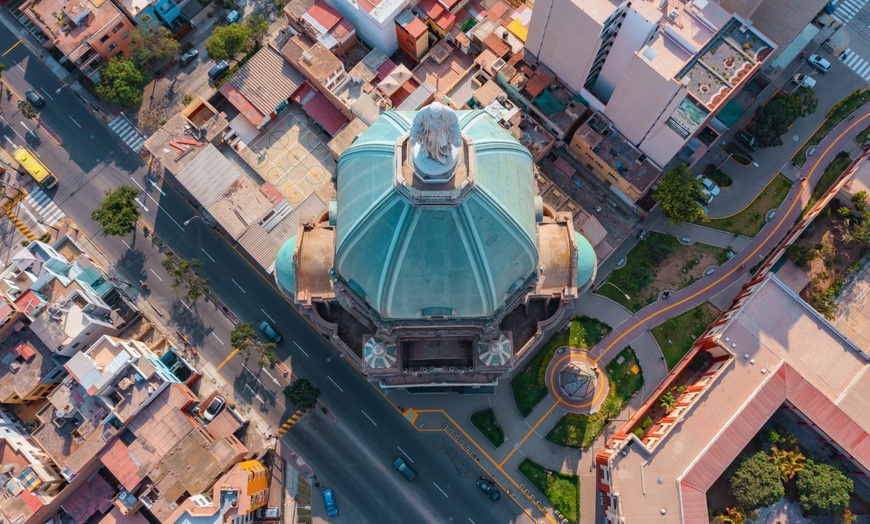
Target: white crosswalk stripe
x,y
122,127
847,9
859,65
39,202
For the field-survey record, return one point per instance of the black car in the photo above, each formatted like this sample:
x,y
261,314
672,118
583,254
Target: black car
x,y
218,71
747,139
488,487
34,98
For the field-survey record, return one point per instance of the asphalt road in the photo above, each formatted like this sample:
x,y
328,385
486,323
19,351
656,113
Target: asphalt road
x,y
353,455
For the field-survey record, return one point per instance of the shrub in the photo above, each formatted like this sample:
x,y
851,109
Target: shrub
x,y
756,482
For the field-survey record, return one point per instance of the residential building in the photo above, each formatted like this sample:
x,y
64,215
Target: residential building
x,y
30,479
374,20
233,499
29,369
658,72
322,23
325,72
355,271
412,35
12,318
437,17
87,32
172,14
614,160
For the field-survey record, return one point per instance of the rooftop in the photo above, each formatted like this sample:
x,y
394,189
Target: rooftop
x,y
313,57
26,363
198,122
618,152
86,19
262,84
296,9
93,497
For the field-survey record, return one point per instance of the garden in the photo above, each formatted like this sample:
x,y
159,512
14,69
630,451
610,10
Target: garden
x,y
562,489
486,423
836,168
752,219
777,470
658,263
838,113
773,119
677,335
580,431
529,386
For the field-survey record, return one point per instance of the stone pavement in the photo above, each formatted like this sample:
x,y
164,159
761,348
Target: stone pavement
x,y
699,233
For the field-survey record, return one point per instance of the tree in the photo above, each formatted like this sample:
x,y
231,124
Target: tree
x,y
121,82
26,109
678,194
773,119
226,41
823,489
756,483
185,272
257,27
118,212
152,43
787,462
302,394
859,200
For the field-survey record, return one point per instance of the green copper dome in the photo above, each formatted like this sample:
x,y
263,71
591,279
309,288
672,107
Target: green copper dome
x,y
459,259
284,272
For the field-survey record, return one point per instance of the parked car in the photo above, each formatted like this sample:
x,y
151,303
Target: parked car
x,y
189,57
488,487
218,71
804,81
403,468
34,98
709,185
214,407
819,63
329,502
270,332
233,17
706,196
747,139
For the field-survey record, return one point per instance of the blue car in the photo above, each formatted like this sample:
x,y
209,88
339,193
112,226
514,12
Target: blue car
x,y
329,501
270,332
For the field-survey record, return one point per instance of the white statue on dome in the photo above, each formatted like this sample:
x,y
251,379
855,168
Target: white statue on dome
x,y
436,130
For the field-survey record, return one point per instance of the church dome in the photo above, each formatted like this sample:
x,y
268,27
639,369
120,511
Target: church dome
x,y
460,258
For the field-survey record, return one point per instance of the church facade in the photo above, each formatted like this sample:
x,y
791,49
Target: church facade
x,y
437,265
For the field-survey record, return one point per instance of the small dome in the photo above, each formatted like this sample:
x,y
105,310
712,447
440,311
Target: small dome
x,y
586,261
578,380
284,267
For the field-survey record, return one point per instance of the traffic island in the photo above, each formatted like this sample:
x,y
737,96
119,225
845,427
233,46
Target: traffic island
x,y
562,489
486,423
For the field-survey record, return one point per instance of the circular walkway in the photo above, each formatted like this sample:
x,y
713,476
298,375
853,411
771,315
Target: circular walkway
x,y
583,402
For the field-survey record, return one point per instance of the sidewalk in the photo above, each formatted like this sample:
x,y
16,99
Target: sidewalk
x,y
699,233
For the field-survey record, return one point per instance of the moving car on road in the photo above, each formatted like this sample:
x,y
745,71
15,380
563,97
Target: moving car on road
x,y
329,502
487,486
403,468
214,407
270,333
34,98
189,57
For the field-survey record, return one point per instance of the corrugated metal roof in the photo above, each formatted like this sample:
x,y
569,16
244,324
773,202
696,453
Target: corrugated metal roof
x,y
289,227
266,80
208,176
260,245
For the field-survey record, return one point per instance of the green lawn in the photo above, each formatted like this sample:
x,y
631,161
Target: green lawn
x,y
846,107
863,137
639,278
486,423
562,489
677,335
750,221
831,174
529,386
580,431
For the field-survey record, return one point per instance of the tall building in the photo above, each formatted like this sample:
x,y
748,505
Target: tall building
x,y
424,280
658,70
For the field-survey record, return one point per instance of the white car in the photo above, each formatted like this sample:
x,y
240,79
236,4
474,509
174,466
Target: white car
x,y
819,63
709,185
214,407
233,17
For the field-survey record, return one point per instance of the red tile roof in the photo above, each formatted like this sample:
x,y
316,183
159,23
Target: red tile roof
x,y
343,28
496,12
324,14
385,69
325,114
369,5
445,21
29,301
24,350
499,47
93,497
238,100
117,460
448,4
32,501
415,27
431,7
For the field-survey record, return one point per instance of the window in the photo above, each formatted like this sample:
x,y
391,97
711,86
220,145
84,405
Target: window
x,y
118,27
112,46
103,39
125,36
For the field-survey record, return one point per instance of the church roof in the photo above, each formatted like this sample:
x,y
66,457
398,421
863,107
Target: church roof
x,y
412,261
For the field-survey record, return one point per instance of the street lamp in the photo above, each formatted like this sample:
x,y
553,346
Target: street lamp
x,y
617,287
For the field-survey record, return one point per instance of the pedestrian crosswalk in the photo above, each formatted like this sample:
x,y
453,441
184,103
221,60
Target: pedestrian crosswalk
x,y
846,9
856,63
39,204
124,129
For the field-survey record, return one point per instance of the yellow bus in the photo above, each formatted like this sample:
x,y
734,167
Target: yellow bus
x,y
34,167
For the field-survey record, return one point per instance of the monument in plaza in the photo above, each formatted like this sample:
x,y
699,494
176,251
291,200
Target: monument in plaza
x,y
437,261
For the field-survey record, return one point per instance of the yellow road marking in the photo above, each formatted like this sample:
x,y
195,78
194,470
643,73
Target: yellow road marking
x,y
13,47
222,364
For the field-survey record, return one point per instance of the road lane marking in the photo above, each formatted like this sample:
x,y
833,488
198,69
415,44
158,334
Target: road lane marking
x,y
472,522
368,417
74,122
21,68
137,183
155,274
209,256
126,244
441,490
339,388
218,339
46,93
238,286
300,348
141,204
406,454
185,305
13,47
264,312
224,361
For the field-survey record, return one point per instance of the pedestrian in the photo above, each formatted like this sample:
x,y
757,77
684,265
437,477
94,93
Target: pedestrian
x,y
742,266
317,484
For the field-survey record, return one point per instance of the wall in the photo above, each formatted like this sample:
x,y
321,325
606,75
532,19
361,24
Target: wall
x,y
584,154
372,32
632,37
118,32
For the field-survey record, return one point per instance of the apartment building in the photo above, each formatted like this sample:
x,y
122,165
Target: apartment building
x,y
659,71
32,370
412,35
88,32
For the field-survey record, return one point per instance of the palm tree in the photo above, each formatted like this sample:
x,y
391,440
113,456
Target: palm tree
x,y
787,462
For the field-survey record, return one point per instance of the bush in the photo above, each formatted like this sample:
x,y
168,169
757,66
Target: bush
x,y
755,482
717,175
823,489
